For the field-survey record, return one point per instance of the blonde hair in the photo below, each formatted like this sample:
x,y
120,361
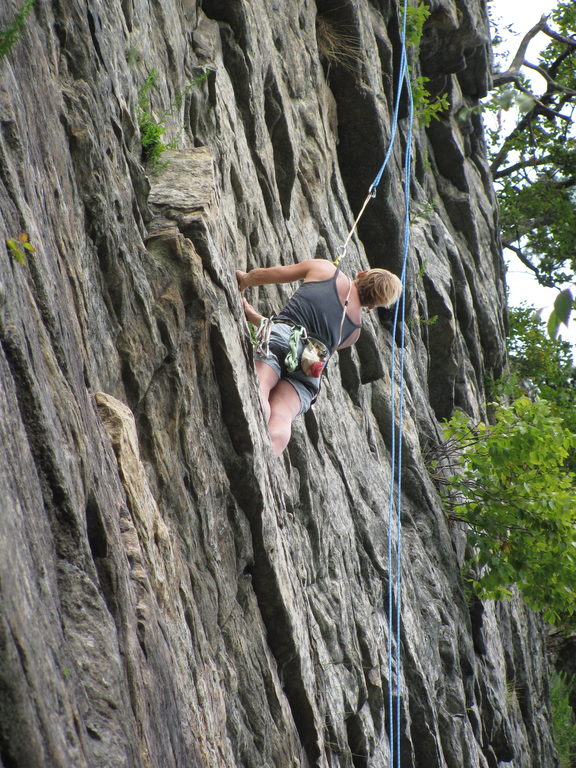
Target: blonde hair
x,y
378,287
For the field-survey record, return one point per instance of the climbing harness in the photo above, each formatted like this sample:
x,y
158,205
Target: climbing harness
x,y
306,353
312,359
262,339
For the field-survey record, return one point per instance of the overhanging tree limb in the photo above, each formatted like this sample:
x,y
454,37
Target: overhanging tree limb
x,y
554,85
524,259
532,163
512,74
569,41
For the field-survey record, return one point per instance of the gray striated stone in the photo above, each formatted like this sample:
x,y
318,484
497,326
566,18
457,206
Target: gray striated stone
x,y
171,594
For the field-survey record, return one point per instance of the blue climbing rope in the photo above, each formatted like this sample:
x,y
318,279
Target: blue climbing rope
x,y
395,499
395,565
401,309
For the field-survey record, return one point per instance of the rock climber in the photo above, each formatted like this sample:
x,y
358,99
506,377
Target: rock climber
x,y
323,315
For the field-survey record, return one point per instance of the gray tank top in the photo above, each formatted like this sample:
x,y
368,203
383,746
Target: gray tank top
x,y
317,306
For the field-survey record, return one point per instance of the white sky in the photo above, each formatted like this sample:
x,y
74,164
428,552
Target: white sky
x,y
523,14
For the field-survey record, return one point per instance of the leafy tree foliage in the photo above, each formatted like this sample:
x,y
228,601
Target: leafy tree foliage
x,y
542,365
512,487
534,166
513,481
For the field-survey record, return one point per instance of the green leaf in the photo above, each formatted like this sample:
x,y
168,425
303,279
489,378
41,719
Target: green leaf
x,y
553,324
517,495
563,305
15,251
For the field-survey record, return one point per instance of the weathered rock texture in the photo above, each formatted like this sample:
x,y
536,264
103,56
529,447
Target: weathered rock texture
x,y
171,594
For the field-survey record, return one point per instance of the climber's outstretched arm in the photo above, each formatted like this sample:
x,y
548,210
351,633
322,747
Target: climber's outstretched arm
x,y
312,269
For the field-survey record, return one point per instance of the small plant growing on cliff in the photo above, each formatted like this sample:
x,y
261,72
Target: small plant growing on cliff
x,y
426,107
19,247
152,126
416,16
509,482
11,35
423,213
421,320
133,56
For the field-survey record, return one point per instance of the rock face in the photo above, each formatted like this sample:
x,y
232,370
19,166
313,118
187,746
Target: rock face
x,y
172,594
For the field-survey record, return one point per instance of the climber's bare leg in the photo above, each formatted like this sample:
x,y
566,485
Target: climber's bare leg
x,y
280,401
267,376
267,380
284,407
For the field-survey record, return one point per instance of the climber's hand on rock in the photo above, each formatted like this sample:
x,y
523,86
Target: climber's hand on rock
x,y
241,280
251,314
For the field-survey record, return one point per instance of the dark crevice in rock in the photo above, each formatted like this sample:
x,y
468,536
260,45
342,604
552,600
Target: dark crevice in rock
x,y
232,407
283,154
128,12
10,141
57,501
425,747
476,619
464,312
442,350
370,356
130,382
312,429
478,156
349,375
230,13
104,563
360,146
448,155
95,528
357,742
93,35
274,612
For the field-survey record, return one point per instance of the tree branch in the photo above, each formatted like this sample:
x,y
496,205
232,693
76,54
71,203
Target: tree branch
x,y
542,108
555,66
570,41
538,108
524,259
512,75
513,72
551,82
524,164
